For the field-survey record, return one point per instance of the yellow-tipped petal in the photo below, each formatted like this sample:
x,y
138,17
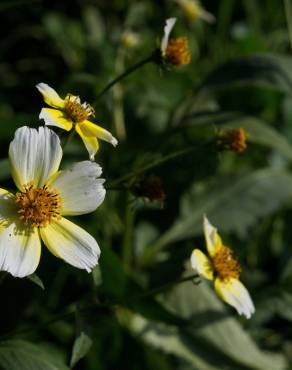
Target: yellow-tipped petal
x,y
55,117
233,292
51,97
90,129
90,142
201,263
213,240
70,242
20,249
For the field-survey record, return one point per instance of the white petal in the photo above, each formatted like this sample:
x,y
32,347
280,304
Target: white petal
x,y
71,243
81,188
51,97
20,249
34,155
212,237
201,263
234,293
170,22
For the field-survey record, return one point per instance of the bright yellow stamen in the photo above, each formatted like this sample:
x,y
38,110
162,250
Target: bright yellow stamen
x,y
75,110
38,206
225,265
177,52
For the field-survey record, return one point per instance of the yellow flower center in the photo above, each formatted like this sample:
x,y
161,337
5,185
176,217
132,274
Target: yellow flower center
x,y
232,139
75,110
177,52
225,265
38,206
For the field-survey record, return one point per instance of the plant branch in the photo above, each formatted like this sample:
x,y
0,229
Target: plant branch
x,y
136,66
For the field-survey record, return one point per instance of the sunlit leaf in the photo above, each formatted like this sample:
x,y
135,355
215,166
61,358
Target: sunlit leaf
x,y
22,355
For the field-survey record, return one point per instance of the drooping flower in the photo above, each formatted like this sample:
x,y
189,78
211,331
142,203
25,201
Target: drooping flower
x,y
232,139
44,196
70,113
174,51
222,267
194,11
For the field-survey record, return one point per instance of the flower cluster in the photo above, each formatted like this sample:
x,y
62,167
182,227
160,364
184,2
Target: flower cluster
x,y
45,196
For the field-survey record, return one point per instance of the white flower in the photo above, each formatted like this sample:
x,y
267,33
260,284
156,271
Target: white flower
x,y
45,195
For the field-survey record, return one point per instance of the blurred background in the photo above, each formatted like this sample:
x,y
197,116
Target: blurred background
x,y
167,171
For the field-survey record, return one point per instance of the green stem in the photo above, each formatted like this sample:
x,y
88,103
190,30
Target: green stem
x,y
288,14
136,66
69,138
164,287
128,235
72,312
151,165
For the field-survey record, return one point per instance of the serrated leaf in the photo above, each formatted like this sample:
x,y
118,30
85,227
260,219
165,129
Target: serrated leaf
x,y
36,280
23,355
232,203
81,346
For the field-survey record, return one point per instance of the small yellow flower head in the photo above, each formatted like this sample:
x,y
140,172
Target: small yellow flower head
x,y
70,113
177,52
194,11
225,265
222,267
130,39
174,51
232,139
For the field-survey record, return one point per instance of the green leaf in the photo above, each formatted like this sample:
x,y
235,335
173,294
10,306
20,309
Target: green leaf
x,y
232,203
81,346
114,279
212,340
267,70
23,355
36,280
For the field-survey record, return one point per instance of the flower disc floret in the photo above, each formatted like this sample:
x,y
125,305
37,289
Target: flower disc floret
x,y
75,110
225,264
38,207
177,51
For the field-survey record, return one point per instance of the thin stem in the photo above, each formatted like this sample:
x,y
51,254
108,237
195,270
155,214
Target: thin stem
x,y
126,73
69,138
164,287
128,235
72,312
152,164
288,13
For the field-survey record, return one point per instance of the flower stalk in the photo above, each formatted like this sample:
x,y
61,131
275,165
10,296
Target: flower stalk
x,y
130,70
